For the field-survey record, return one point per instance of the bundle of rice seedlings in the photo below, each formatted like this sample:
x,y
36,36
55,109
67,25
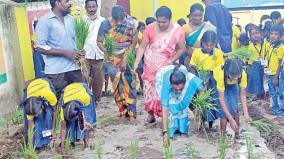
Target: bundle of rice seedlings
x,y
68,144
242,53
263,125
99,149
109,44
130,59
203,103
82,31
168,152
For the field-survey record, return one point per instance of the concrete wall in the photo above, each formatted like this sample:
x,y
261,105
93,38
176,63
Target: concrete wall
x,y
10,90
106,7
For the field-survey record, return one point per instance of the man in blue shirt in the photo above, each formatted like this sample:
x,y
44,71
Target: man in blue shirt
x,y
57,42
219,15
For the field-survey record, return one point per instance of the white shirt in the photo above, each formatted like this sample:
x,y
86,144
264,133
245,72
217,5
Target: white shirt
x,y
91,47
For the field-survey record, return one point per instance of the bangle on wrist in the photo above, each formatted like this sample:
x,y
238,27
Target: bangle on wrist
x,y
165,132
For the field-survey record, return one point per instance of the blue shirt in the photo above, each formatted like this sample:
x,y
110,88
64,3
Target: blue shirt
x,y
52,33
220,16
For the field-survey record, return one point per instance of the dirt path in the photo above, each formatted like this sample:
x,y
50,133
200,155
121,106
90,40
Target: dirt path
x,y
115,137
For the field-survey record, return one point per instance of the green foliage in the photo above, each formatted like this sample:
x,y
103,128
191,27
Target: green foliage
x,y
203,103
28,148
130,59
68,143
249,147
17,117
192,151
168,153
242,53
99,149
109,44
263,125
82,31
223,146
134,149
57,122
58,156
105,119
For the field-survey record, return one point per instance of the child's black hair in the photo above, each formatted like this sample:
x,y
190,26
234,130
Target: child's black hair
x,y
177,77
209,37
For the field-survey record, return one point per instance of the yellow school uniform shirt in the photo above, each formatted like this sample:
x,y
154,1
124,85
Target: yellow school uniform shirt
x,y
218,74
272,55
75,91
257,51
206,61
41,88
235,38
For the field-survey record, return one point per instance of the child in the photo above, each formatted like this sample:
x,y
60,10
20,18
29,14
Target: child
x,y
273,56
38,103
256,74
228,79
77,114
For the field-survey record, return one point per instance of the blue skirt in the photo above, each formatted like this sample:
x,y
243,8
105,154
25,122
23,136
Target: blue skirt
x,y
231,96
212,114
255,79
41,123
73,129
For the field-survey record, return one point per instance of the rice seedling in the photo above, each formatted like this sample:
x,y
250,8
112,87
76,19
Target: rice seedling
x,y
109,44
58,156
249,147
28,147
68,144
134,149
203,104
82,31
4,126
57,122
75,153
192,151
17,117
130,59
168,153
223,145
263,125
99,149
207,137
242,53
105,119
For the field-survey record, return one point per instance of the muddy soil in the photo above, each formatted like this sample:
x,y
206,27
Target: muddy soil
x,y
115,137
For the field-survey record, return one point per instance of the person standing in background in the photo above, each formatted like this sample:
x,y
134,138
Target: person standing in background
x,y
94,74
220,16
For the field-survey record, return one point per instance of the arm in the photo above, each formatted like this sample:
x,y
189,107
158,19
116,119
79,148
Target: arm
x,y
180,48
30,130
276,77
244,104
229,117
140,52
165,112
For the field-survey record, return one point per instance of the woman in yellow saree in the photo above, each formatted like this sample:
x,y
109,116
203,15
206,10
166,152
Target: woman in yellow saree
x,y
124,31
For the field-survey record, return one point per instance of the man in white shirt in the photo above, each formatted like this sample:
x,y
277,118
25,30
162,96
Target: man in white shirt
x,y
94,55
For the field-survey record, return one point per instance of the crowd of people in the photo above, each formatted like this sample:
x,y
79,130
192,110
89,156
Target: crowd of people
x,y
174,63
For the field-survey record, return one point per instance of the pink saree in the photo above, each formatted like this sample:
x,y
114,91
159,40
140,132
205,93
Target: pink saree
x,y
158,54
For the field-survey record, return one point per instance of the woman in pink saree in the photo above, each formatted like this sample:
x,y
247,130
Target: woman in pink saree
x,y
163,43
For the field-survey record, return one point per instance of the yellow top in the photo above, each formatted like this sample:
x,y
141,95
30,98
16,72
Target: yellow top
x,y
235,38
218,75
257,51
272,55
140,36
41,88
76,91
34,40
206,61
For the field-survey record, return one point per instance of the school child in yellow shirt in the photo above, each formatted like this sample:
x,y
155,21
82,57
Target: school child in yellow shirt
x,y
231,82
205,59
273,55
255,73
